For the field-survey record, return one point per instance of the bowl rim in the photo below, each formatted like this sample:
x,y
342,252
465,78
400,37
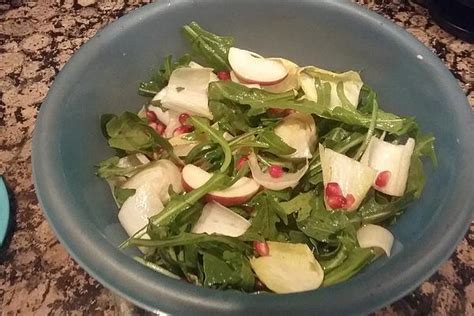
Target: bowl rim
x,y
202,300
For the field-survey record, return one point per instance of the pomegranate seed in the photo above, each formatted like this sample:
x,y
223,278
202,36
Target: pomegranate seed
x,y
383,178
275,171
183,118
333,189
158,127
241,162
183,129
350,199
223,75
336,201
261,247
151,116
276,112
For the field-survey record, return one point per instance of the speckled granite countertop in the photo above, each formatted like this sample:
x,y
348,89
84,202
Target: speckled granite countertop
x,y
37,276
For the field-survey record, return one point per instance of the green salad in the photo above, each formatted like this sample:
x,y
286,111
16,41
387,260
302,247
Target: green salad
x,y
254,173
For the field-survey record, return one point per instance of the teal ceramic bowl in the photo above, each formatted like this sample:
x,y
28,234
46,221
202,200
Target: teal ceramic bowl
x,y
103,76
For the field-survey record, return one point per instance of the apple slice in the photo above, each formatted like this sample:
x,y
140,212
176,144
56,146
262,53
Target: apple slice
x,y
240,192
234,78
253,68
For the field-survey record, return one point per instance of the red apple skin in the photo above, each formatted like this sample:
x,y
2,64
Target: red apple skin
x,y
186,186
228,201
264,83
223,200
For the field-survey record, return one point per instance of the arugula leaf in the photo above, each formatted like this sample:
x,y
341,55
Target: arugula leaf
x,y
231,271
230,117
275,144
160,78
184,238
370,132
335,261
130,133
266,217
211,48
230,91
181,203
156,267
122,194
301,204
104,119
416,178
324,225
424,146
202,125
376,208
223,91
109,168
356,260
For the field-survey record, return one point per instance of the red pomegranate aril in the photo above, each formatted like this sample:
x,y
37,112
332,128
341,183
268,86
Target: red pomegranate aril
x,y
241,162
383,178
350,199
333,189
158,127
276,112
183,129
223,75
275,171
151,116
336,201
261,247
183,118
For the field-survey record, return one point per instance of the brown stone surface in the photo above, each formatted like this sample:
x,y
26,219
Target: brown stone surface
x,y
37,276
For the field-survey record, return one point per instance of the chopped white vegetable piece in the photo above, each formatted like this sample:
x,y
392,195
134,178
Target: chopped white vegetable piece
x,y
164,173
139,207
187,91
352,177
169,118
371,235
132,160
182,146
195,65
287,180
392,163
288,268
352,83
218,219
298,130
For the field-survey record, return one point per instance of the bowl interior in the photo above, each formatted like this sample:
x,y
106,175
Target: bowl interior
x,y
103,78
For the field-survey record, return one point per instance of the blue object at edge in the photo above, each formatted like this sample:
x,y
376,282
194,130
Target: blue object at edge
x,y
4,211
